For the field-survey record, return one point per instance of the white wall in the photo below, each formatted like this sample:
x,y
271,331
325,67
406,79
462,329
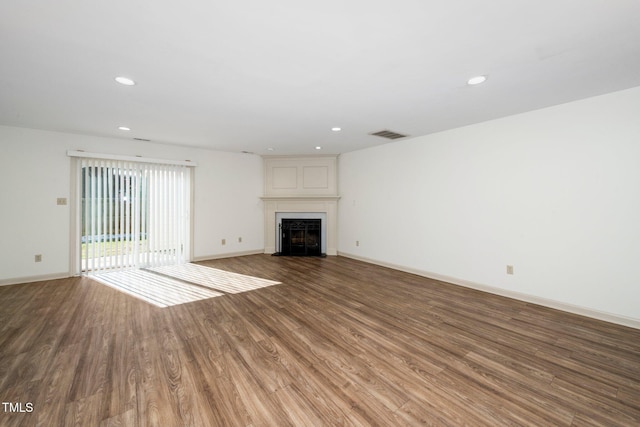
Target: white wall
x,y
553,192
35,171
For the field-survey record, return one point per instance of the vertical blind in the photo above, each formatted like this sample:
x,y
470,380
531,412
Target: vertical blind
x,y
134,215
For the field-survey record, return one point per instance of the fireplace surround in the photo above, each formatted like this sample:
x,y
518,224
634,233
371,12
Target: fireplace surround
x,y
277,208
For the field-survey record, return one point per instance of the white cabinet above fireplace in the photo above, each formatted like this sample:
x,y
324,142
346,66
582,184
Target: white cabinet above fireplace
x,y
300,176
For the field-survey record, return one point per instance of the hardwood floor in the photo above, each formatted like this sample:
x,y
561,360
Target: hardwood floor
x,y
339,342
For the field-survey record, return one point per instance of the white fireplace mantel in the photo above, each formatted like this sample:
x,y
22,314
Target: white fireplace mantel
x,y
310,204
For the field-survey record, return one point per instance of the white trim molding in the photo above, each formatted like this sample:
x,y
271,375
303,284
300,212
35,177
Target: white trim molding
x,y
33,279
226,255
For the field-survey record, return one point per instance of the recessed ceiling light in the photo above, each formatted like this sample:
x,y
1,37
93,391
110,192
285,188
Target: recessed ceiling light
x,y
318,148
476,80
270,149
336,129
125,81
124,128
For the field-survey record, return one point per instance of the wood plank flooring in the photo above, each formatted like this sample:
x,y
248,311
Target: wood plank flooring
x,y
339,342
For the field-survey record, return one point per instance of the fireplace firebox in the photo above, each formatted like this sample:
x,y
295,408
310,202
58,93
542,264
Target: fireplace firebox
x,y
301,237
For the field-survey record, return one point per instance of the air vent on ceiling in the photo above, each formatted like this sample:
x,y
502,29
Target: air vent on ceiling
x,y
142,139
388,134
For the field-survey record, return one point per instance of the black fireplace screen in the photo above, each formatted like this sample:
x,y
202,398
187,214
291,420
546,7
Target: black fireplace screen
x,y
301,237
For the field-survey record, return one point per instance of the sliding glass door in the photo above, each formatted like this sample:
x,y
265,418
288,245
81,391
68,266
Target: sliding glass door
x,y
132,215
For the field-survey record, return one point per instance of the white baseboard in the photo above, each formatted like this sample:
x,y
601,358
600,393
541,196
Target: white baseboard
x,y
582,311
30,279
272,250
227,255
54,276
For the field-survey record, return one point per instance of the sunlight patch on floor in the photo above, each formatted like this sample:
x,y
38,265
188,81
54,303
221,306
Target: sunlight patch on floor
x,y
179,284
213,278
154,288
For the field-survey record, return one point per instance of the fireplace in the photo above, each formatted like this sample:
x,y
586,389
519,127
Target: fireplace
x,y
301,237
301,188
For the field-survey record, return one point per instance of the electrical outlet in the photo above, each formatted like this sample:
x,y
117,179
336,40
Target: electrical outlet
x,y
357,242
38,258
61,201
224,242
509,269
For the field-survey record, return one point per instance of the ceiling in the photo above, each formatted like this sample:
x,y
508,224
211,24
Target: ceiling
x,y
254,75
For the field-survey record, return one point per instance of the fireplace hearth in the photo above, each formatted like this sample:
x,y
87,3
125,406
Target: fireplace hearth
x,y
300,237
